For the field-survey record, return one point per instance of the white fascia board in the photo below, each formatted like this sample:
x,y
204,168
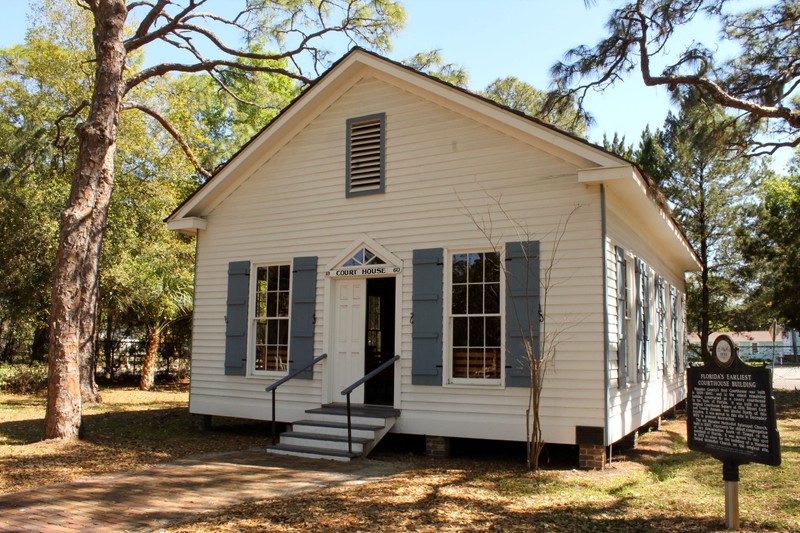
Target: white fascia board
x,y
189,225
626,182
606,174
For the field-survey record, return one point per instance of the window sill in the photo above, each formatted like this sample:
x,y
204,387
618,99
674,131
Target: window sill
x,y
267,374
465,383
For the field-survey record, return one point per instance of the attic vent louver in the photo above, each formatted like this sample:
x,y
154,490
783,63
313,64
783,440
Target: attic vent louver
x,y
366,154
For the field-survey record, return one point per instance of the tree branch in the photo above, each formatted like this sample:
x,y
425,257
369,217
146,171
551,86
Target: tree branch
x,y
205,66
172,131
71,114
140,39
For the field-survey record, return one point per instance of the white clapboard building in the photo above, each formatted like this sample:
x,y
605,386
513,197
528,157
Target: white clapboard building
x,y
386,213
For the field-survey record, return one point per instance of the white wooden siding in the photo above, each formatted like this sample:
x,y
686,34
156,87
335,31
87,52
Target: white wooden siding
x,y
440,166
637,403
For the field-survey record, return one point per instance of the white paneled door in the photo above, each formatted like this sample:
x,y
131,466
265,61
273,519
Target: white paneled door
x,y
349,316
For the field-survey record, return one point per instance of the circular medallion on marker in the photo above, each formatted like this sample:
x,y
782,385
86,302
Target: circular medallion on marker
x,y
723,351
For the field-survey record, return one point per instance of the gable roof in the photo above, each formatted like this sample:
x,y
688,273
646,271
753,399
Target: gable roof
x,y
600,166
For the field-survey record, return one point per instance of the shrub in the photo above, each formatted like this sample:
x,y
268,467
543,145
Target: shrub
x,y
23,379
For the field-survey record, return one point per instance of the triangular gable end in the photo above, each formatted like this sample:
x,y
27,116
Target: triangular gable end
x,y
344,74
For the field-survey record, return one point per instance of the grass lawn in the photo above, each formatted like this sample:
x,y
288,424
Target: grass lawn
x,y
130,429
660,486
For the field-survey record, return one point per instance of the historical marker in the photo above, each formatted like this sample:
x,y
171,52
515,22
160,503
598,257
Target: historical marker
x,y
731,415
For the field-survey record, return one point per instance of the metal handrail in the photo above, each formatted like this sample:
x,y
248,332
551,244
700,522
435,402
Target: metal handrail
x,y
354,386
283,380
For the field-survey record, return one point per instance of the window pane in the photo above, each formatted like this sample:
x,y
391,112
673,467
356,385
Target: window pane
x,y
460,268
283,358
261,332
460,362
283,303
492,267
272,304
492,363
475,363
261,278
460,331
284,273
476,331
475,301
272,279
261,304
283,332
261,362
493,331
272,331
475,268
272,358
459,304
492,298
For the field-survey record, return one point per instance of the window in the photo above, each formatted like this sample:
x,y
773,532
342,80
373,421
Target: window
x,y
366,154
363,257
271,319
475,316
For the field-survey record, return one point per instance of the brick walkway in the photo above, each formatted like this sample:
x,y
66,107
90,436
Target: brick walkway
x,y
144,500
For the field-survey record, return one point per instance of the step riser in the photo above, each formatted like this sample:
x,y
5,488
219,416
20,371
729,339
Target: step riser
x,y
367,421
341,432
324,444
310,455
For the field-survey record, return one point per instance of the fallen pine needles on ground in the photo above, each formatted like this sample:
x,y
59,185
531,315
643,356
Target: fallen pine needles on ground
x,y
660,486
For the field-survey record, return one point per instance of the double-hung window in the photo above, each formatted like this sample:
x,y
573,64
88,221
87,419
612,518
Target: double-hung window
x,y
475,319
271,319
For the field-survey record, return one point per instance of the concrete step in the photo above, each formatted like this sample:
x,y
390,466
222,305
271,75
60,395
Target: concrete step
x,y
336,428
324,442
311,452
371,415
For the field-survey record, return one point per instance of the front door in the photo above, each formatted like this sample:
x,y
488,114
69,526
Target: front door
x,y
348,357
364,324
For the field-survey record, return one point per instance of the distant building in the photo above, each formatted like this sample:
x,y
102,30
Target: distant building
x,y
754,345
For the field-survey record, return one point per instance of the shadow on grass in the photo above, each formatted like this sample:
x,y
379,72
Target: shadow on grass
x,y
447,504
787,404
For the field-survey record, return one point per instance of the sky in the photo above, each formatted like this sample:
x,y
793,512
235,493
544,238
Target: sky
x,y
497,38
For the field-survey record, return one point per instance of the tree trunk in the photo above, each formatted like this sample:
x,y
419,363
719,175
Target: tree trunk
x,y
149,361
83,226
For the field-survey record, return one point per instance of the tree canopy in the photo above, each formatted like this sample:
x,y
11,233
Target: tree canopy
x,y
757,85
279,44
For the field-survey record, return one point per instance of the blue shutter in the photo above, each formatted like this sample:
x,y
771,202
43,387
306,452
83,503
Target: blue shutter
x,y
522,310
646,303
673,302
661,312
622,325
642,320
426,332
236,318
304,299
639,320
